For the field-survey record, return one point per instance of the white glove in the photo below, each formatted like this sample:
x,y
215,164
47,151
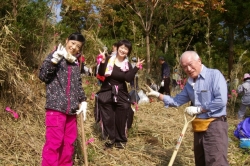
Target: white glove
x,y
83,108
70,58
58,54
151,92
105,48
192,110
162,83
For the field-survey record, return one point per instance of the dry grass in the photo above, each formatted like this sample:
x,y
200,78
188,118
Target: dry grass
x,y
151,140
15,79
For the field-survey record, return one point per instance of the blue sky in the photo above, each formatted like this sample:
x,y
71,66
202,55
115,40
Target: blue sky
x,y
58,10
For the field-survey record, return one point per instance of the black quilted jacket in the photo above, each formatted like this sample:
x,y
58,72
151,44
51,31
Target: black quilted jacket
x,y
63,81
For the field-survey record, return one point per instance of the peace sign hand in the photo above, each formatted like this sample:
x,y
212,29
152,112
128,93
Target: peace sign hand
x,y
103,55
139,63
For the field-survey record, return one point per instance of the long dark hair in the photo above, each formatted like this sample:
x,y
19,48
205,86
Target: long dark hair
x,y
126,43
77,36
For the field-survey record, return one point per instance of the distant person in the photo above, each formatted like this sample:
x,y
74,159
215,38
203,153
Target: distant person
x,y
165,76
244,88
228,85
114,49
65,98
84,69
176,79
206,88
134,82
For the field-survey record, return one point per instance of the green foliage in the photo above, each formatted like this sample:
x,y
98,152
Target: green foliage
x,y
30,22
176,26
29,19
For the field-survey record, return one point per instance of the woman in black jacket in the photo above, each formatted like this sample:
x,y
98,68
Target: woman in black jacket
x,y
113,98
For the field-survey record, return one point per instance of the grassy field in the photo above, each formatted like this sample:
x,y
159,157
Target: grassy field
x,y
151,140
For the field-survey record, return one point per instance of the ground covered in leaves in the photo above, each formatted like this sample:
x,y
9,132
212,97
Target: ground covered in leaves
x,y
151,140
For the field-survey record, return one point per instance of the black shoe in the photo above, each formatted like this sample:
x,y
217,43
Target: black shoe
x,y
120,145
108,144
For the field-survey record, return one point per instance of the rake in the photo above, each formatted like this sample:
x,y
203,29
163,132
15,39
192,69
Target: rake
x,y
180,139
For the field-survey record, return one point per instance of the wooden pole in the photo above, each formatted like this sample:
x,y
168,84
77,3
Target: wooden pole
x,y
84,147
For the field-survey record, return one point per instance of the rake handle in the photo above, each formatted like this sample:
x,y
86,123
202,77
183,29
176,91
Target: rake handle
x,y
84,147
180,140
83,141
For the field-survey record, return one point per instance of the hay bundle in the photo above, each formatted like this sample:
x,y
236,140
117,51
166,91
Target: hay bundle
x,y
14,74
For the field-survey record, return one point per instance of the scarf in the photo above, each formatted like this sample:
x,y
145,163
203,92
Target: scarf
x,y
124,67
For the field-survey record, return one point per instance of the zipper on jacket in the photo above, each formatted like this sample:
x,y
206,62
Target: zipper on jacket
x,y
68,89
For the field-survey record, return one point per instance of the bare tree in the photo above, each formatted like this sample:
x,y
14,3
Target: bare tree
x,y
145,18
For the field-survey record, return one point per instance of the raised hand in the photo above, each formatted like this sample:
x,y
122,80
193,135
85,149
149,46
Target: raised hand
x,y
139,63
102,55
151,92
58,54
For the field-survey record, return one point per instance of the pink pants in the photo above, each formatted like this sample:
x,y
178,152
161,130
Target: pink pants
x,y
61,133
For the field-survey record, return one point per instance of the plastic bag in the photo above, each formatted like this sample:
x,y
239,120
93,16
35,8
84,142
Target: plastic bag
x,y
243,130
134,96
143,97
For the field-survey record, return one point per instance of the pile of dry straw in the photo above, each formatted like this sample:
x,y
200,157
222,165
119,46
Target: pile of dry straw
x,y
151,140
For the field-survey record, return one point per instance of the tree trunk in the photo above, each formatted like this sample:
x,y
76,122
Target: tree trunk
x,y
231,49
148,52
113,26
208,43
44,26
14,9
166,46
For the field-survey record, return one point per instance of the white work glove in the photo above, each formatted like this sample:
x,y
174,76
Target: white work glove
x,y
151,92
58,54
83,108
162,83
70,58
192,110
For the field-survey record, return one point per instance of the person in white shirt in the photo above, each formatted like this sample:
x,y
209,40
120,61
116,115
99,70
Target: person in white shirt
x,y
244,88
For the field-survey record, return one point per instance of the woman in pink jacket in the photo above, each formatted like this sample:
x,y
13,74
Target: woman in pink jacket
x,y
64,93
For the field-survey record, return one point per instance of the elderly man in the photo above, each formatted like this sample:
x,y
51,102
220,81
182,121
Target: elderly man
x,y
207,89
